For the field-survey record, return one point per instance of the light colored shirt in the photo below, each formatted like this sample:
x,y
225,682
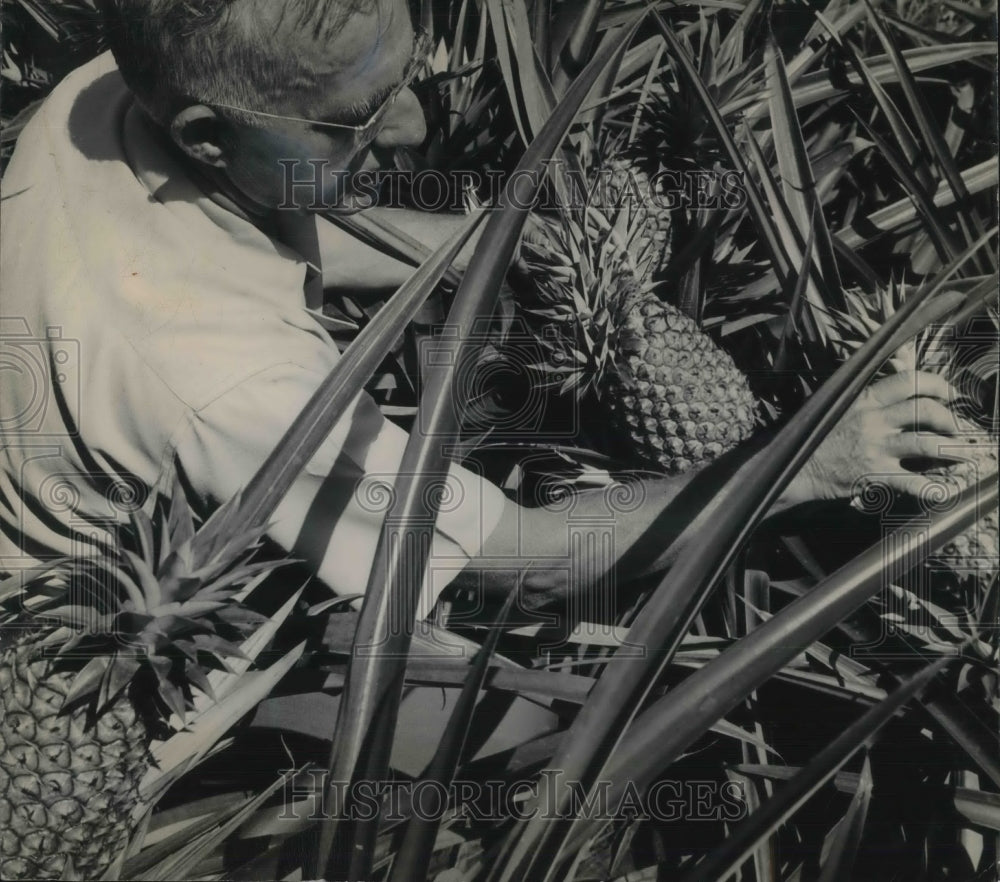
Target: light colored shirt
x,y
147,332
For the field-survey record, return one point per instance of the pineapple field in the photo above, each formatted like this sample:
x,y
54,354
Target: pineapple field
x,y
706,228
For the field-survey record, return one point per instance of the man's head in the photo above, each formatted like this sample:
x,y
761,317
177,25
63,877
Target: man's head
x,y
232,80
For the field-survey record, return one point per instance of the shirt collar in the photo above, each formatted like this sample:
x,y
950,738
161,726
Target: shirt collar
x,y
156,165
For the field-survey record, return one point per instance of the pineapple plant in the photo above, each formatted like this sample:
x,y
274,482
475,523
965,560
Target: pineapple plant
x,y
674,396
975,552
96,662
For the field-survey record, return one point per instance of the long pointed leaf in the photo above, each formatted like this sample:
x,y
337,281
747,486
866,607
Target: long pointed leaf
x,y
181,863
541,13
932,134
797,178
224,682
941,236
816,87
516,57
727,857
792,248
670,724
978,178
968,732
844,848
13,585
573,54
901,130
794,308
979,807
414,855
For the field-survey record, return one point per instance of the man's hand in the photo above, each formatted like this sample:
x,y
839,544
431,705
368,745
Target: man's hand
x,y
903,417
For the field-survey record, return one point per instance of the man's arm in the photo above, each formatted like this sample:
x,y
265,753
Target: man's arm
x,y
351,264
901,418
633,529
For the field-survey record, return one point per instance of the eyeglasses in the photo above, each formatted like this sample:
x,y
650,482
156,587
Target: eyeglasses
x,y
362,135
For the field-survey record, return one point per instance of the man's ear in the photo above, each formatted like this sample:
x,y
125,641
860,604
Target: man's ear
x,y
196,131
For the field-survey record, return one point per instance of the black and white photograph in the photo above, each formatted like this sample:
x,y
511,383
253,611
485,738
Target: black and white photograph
x,y
499,441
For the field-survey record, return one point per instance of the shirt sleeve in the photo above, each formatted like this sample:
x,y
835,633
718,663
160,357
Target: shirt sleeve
x,y
333,515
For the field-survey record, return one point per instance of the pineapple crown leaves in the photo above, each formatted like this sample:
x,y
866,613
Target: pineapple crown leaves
x,y
866,312
935,349
170,605
583,280
674,124
615,175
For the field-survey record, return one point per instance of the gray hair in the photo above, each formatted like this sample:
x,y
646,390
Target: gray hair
x,y
172,53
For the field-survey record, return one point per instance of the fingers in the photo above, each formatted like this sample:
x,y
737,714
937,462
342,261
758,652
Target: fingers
x,y
906,484
921,445
909,384
928,414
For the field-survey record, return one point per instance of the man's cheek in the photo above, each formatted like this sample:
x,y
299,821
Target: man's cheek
x,y
264,149
260,166
305,170
299,166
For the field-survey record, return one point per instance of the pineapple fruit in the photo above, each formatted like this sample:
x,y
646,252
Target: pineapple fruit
x,y
668,391
69,785
975,552
95,661
681,399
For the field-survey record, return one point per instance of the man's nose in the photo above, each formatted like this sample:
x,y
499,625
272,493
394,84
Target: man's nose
x,y
404,124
